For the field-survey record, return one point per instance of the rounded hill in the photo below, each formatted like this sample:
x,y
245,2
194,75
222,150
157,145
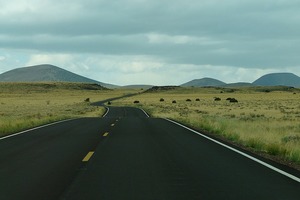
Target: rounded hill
x,y
45,73
203,82
278,79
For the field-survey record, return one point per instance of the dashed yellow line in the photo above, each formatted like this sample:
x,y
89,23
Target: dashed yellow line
x,y
88,156
105,134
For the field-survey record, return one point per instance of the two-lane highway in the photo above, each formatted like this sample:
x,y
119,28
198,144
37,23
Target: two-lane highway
x,y
127,155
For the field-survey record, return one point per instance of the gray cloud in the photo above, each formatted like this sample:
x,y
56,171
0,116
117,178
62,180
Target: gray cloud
x,y
241,34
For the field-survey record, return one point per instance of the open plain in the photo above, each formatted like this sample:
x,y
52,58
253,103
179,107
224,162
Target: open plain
x,y
122,153
264,119
27,105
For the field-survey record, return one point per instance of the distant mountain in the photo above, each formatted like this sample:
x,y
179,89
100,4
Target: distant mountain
x,y
276,79
203,82
46,73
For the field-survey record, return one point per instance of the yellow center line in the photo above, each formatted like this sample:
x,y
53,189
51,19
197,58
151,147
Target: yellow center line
x,y
88,156
105,134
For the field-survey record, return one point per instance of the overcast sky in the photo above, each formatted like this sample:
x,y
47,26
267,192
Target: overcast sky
x,y
153,41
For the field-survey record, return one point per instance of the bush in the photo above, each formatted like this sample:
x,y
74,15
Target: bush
x,y
87,100
255,144
276,149
291,138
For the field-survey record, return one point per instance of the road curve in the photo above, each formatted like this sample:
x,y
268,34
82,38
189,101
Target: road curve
x,y
131,156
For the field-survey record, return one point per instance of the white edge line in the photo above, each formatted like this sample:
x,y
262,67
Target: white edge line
x,y
32,129
107,110
144,112
241,153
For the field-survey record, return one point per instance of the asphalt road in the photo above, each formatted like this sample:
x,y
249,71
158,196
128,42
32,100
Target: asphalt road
x,y
127,155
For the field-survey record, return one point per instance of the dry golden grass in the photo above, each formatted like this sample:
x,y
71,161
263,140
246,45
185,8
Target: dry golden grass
x,y
24,105
268,122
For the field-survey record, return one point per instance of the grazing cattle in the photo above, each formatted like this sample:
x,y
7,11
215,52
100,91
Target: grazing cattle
x,y
197,99
87,100
232,100
109,103
136,101
217,99
173,101
161,100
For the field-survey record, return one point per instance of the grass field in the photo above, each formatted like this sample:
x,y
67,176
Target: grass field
x,y
266,120
27,105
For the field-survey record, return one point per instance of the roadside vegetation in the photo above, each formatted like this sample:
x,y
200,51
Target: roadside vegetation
x,y
27,105
262,119
265,120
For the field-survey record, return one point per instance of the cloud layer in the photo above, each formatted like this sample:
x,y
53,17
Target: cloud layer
x,y
157,41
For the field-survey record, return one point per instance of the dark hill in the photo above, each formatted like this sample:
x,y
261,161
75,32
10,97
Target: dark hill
x,y
203,82
45,73
278,79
